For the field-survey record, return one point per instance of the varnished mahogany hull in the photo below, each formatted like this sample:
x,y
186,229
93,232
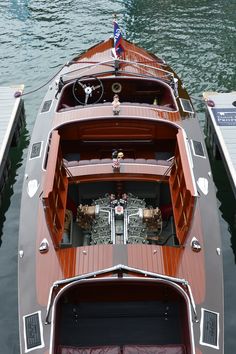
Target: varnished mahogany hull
x,y
79,128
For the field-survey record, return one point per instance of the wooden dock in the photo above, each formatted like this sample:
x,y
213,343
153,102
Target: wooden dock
x,y
221,130
11,118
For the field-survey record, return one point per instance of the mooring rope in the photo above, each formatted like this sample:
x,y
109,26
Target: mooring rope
x,y
20,94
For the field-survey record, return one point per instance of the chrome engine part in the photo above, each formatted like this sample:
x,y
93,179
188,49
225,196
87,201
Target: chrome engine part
x,y
120,220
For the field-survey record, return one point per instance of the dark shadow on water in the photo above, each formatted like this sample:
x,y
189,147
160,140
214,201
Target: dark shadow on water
x,y
226,197
227,210
16,160
9,224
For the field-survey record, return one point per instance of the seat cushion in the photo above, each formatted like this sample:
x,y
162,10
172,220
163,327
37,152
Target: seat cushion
x,y
154,349
140,161
128,160
164,162
106,160
152,161
91,350
84,162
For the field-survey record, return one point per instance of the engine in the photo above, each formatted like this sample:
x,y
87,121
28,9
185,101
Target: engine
x,y
120,220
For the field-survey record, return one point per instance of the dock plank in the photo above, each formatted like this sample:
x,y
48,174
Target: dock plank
x,y
10,110
221,116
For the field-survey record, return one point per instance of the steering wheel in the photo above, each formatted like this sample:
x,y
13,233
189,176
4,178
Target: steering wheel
x,y
88,89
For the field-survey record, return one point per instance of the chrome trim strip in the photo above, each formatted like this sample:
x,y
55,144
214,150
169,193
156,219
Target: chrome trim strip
x,y
113,227
125,227
190,160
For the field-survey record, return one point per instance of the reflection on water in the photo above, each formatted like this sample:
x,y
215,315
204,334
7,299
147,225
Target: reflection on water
x,y
197,38
9,222
19,9
227,200
227,210
17,160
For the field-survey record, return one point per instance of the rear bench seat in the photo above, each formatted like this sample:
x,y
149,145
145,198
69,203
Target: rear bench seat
x,y
105,161
127,349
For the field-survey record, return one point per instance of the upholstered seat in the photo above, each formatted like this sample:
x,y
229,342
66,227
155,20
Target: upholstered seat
x,y
164,162
84,162
106,161
127,349
94,161
152,161
140,161
128,160
154,349
91,350
71,163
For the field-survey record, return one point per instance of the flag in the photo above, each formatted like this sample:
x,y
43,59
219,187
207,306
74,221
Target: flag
x,y
117,39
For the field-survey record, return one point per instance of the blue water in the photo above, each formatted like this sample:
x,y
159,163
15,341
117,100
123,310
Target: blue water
x,y
197,38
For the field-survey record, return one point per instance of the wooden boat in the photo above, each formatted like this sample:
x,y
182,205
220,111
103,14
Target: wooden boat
x,y
119,241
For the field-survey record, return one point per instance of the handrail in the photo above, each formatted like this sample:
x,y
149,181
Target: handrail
x,y
112,61
147,66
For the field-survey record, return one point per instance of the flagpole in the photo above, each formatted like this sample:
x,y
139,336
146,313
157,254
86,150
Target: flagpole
x,y
114,20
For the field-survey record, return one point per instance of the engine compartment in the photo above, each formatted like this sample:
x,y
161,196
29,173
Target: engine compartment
x,y
119,213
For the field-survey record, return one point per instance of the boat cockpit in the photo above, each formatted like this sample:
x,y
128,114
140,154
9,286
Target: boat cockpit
x,y
94,89
88,200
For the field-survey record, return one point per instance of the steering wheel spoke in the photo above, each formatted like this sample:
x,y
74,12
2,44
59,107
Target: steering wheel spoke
x,y
95,87
88,89
86,99
82,85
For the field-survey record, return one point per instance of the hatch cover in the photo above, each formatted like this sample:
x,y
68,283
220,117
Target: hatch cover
x,y
197,148
209,328
35,150
186,105
33,331
46,106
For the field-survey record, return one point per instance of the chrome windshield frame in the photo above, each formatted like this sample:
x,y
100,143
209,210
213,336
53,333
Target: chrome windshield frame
x,y
118,269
